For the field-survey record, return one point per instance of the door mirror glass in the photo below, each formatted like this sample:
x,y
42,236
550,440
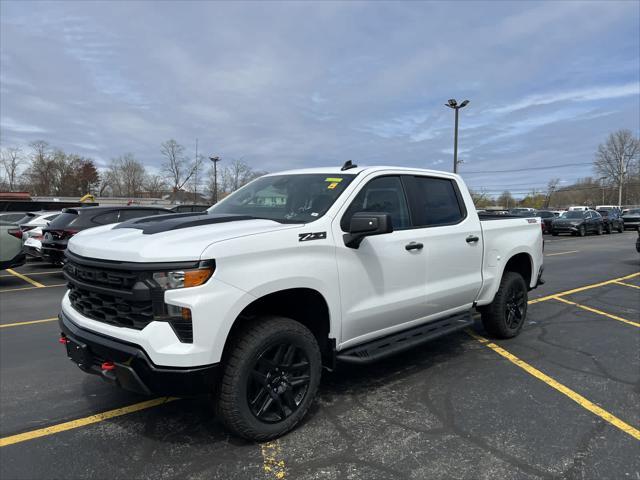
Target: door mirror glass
x,y
364,224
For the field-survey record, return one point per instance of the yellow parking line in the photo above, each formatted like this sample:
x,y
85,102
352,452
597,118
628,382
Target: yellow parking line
x,y
31,322
561,253
81,422
35,273
581,289
576,397
273,464
599,312
627,285
25,278
31,288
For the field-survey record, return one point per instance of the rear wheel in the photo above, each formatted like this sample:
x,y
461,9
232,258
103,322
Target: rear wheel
x,y
270,378
504,317
608,228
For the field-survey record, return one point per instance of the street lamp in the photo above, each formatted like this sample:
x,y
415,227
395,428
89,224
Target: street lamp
x,y
452,103
215,161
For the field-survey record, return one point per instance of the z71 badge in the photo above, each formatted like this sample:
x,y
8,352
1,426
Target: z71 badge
x,y
305,237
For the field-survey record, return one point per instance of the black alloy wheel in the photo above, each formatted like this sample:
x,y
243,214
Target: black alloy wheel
x,y
278,382
515,306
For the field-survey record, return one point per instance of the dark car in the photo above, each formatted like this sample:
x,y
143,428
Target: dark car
x,y
578,222
612,220
547,220
189,208
638,241
72,220
632,219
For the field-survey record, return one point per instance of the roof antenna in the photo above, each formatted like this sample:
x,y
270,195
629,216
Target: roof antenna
x,y
348,165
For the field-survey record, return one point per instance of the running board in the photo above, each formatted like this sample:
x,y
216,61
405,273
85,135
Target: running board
x,y
399,342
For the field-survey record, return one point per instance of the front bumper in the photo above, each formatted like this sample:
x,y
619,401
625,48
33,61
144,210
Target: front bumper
x,y
132,369
565,228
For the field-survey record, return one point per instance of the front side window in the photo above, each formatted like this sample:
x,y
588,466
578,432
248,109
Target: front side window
x,y
380,195
435,201
296,198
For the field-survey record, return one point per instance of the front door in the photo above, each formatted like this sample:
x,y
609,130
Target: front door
x,y
382,283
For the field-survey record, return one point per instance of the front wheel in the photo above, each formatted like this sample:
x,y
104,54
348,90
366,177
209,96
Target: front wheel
x,y
504,317
599,230
582,231
621,228
270,378
609,229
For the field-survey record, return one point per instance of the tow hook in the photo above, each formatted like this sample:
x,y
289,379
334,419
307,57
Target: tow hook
x,y
107,366
63,340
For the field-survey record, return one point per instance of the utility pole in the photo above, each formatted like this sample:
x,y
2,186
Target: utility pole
x,y
195,186
602,179
452,103
621,178
215,161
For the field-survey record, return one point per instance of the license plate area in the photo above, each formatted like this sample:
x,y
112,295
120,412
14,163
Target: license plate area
x,y
79,353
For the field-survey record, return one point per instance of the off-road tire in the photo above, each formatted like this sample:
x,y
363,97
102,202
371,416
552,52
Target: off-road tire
x,y
494,315
245,349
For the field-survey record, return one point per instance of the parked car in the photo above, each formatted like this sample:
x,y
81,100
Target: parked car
x,y
638,241
547,217
32,245
578,222
612,220
632,219
36,221
73,220
11,254
292,272
579,208
189,208
10,218
522,211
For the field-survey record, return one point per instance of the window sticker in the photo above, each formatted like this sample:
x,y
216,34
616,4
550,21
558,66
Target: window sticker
x,y
331,186
333,180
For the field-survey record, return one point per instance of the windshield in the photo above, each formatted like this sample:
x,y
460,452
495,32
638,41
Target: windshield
x,y
634,211
297,198
572,214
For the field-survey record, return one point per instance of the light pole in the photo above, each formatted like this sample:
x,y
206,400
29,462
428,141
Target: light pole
x,y
452,103
602,179
215,161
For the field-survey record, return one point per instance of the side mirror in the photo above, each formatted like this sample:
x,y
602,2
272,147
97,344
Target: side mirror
x,y
365,224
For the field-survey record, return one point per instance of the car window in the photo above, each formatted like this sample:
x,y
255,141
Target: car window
x,y
129,213
65,219
434,201
106,218
380,195
51,217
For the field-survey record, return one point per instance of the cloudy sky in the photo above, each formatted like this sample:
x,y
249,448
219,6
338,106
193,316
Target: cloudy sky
x,y
284,85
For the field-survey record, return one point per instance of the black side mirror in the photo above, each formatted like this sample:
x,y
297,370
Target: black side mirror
x,y
364,224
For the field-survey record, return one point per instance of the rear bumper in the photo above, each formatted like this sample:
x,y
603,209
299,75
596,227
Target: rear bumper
x,y
53,253
132,368
16,261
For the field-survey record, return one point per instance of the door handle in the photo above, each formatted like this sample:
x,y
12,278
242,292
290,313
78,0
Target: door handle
x,y
472,239
413,246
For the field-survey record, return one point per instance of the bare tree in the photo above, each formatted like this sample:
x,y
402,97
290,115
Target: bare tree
x,y
506,200
125,176
194,184
155,185
41,173
176,167
551,187
617,157
11,160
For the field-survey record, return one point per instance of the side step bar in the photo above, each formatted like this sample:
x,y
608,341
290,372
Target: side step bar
x,y
399,342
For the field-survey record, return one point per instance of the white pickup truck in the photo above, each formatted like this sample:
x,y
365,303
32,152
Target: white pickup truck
x,y
294,272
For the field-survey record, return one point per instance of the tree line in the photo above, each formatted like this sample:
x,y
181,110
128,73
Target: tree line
x,y
616,166
43,170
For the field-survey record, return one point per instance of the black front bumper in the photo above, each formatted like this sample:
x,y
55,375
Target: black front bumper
x,y
132,369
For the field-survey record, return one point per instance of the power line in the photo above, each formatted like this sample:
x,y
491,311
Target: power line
x,y
530,168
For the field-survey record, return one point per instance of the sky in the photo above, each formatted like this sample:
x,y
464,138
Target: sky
x,y
298,84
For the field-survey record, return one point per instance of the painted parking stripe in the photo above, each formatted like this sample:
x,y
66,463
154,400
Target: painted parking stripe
x,y
6,290
272,461
582,289
81,422
31,322
627,285
573,395
34,273
561,253
25,278
599,312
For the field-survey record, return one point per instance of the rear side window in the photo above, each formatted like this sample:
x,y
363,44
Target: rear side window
x,y
434,202
106,218
65,219
380,195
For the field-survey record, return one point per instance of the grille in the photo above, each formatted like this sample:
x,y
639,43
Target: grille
x,y
111,308
124,298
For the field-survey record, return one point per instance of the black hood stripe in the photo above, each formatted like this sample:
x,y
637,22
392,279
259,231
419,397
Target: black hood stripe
x,y
165,223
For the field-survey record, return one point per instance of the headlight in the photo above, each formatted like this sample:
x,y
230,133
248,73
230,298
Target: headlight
x,y
184,278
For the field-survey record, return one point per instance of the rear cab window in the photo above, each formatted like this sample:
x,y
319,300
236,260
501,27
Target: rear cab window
x,y
434,201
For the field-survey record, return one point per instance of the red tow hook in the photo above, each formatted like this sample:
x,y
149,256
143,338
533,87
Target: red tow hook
x,y
108,366
63,340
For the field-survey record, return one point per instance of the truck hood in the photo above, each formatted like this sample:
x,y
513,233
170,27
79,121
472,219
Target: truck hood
x,y
122,242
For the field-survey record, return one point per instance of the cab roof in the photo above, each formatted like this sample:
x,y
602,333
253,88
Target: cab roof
x,y
357,170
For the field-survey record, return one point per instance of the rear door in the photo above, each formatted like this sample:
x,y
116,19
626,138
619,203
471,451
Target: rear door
x,y
452,240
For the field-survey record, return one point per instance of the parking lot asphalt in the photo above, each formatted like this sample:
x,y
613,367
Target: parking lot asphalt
x,y
562,400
